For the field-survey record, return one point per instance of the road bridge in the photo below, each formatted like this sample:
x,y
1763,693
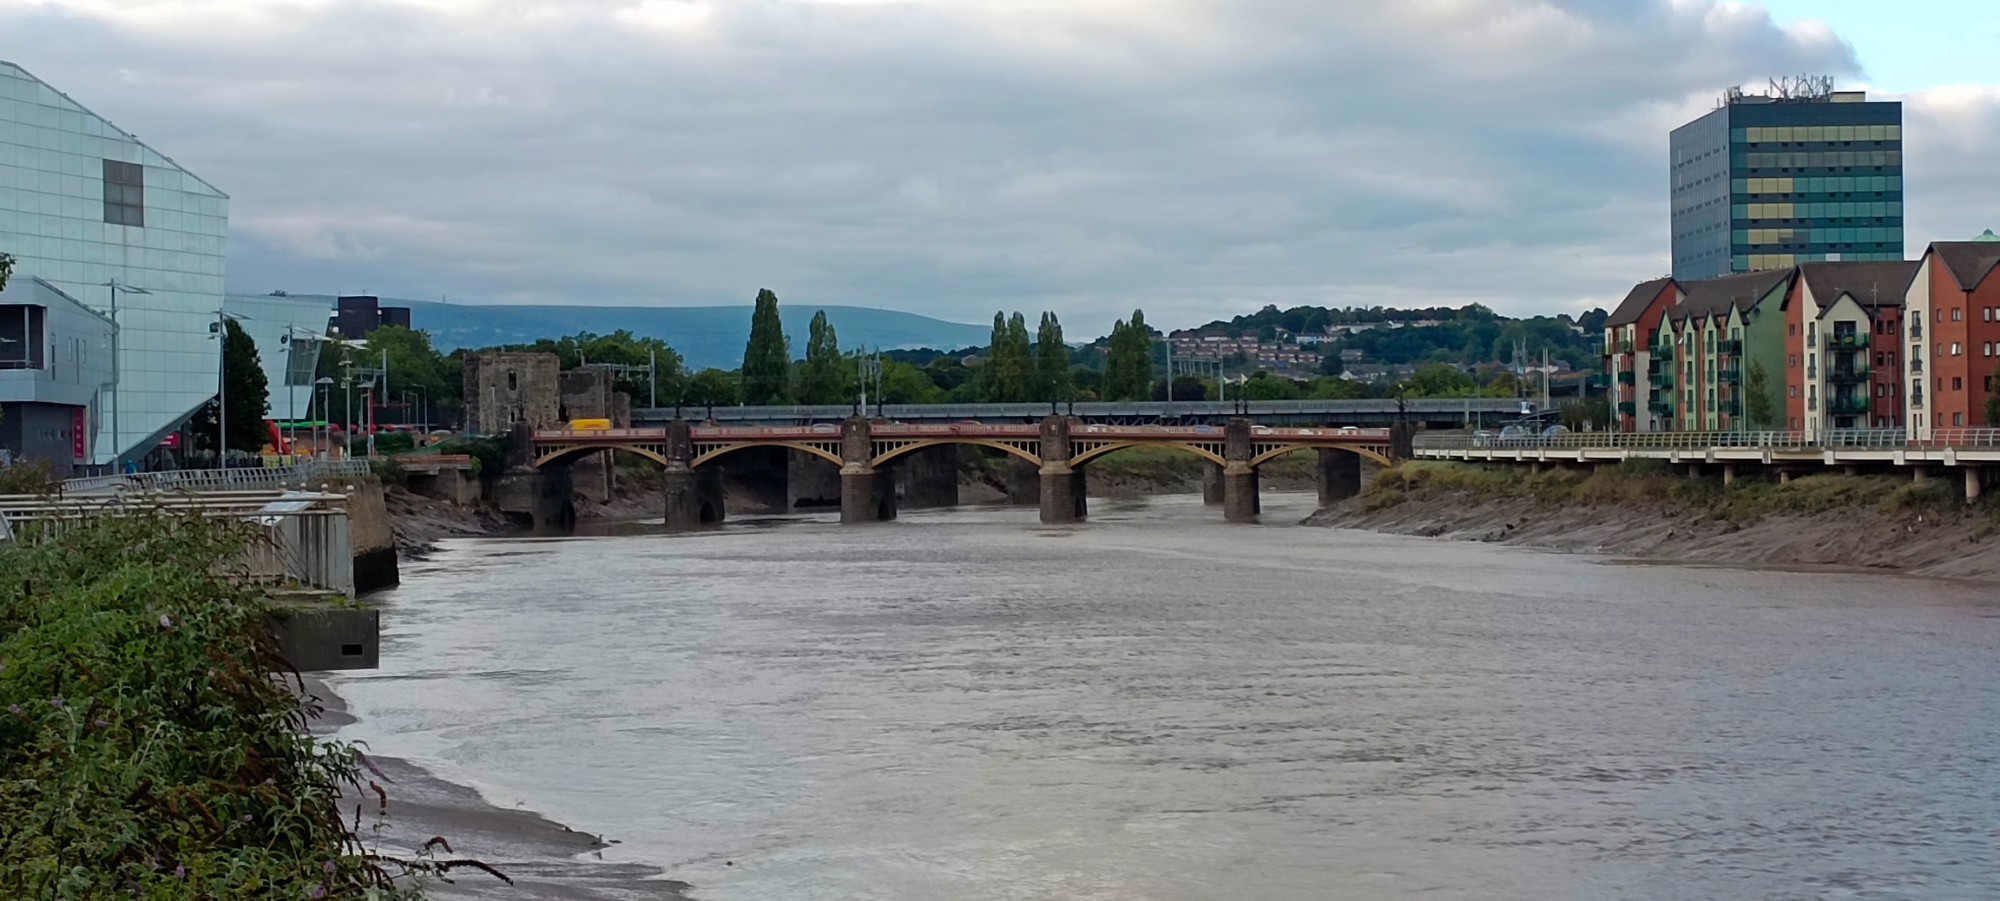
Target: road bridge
x,y
1437,413
1058,447
1973,454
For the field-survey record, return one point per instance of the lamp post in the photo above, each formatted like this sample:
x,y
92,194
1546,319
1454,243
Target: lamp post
x,y
117,437
326,428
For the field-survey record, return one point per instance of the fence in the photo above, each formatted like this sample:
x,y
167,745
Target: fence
x,y
204,480
300,539
1887,439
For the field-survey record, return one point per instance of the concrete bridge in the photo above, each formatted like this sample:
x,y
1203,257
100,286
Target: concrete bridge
x,y
1059,448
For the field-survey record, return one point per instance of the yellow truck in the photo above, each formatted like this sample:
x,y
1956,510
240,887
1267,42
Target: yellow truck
x,y
589,425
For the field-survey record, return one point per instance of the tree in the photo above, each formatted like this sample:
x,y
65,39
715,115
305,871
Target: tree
x,y
1262,385
1004,378
246,392
712,388
1440,380
1993,400
903,383
824,377
6,269
1052,381
1128,364
414,366
767,359
1757,396
1330,363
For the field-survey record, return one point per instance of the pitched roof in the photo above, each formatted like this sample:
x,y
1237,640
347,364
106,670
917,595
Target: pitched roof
x,y
1718,295
1634,305
1873,284
1968,261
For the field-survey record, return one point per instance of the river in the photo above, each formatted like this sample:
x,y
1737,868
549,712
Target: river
x,y
1156,705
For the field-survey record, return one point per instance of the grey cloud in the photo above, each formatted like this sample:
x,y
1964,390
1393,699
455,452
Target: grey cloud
x,y
1194,157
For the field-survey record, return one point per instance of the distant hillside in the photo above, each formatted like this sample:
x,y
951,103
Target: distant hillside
x,y
705,336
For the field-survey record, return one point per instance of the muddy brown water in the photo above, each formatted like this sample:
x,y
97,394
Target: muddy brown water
x,y
967,705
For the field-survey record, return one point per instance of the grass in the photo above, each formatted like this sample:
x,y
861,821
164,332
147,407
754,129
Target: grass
x,y
145,748
1651,484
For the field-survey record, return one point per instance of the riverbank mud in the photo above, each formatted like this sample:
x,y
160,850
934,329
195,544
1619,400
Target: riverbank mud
x,y
1872,523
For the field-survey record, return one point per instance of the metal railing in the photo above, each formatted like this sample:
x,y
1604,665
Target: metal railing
x,y
246,479
1886,439
299,539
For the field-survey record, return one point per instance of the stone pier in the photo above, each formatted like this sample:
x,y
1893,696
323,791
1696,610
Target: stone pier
x,y
1064,497
1338,476
693,498
1211,484
1975,479
866,494
1239,481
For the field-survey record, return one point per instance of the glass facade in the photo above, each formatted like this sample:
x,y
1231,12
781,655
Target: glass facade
x,y
290,332
1766,184
82,205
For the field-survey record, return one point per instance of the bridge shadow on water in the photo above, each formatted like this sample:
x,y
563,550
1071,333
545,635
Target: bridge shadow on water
x,y
1281,508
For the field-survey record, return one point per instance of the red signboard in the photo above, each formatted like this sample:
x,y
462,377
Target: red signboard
x,y
79,448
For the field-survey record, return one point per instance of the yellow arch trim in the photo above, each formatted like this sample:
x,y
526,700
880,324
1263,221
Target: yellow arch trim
x,y
1096,452
936,442
1362,452
581,449
732,448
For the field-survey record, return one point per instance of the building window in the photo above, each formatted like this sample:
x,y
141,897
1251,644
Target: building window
x,y
1958,419
512,384
1954,314
124,193
1957,383
1954,348
1792,390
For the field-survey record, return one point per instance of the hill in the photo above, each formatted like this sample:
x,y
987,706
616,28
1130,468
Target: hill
x,y
705,336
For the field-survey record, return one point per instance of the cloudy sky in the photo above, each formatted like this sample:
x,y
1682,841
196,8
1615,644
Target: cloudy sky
x,y
1197,158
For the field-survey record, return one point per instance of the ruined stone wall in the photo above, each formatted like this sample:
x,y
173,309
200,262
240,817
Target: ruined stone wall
x,y
504,387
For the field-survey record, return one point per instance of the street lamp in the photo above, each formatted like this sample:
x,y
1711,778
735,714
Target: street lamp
x,y
291,341
326,430
117,437
220,332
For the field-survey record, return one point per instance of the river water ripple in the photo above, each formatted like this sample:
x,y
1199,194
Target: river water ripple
x,y
1155,705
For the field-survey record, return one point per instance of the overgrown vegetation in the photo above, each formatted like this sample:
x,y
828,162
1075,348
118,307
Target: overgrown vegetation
x,y
27,477
145,748
489,455
1652,484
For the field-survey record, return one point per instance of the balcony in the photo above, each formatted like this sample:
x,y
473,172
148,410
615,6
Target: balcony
x,y
1628,377
1847,406
1660,408
1846,340
1731,377
1665,378
1625,346
1627,408
1848,374
1917,399
1917,365
1731,407
1916,329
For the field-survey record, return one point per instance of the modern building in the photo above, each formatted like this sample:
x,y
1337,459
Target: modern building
x,y
55,358
94,217
1951,361
1841,369
290,333
357,315
1800,174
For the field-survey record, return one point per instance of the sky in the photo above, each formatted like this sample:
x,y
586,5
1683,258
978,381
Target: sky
x,y
1194,158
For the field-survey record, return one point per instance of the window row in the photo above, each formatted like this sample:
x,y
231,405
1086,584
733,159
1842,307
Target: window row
x,y
1801,133
1816,184
1757,262
1870,209
1816,159
1817,236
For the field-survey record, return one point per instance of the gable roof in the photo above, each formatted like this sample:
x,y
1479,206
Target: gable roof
x,y
1635,303
1968,261
1718,295
1873,284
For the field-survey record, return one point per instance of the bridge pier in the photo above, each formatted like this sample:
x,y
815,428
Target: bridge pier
x,y
1974,482
1211,484
1920,475
867,494
692,498
1064,492
1239,479
1338,476
1728,474
929,477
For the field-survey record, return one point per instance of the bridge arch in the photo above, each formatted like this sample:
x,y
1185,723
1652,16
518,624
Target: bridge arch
x,y
914,446
569,453
718,453
1362,452
1115,446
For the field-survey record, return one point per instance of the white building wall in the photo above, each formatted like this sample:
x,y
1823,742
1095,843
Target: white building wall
x,y
53,222
1917,363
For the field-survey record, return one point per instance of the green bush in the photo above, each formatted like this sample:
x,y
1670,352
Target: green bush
x,y
489,455
145,749
394,442
27,477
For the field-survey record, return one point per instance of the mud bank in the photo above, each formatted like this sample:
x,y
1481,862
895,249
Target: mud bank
x,y
1820,521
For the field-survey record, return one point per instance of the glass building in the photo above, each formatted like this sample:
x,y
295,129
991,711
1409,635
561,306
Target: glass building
x,y
290,333
90,213
1802,174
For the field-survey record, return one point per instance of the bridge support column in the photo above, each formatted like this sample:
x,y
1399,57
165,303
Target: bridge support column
x,y
929,477
1239,479
1338,475
1064,493
1974,482
1211,484
1784,477
1728,474
866,493
693,498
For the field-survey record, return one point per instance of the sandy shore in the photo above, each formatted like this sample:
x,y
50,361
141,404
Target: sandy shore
x,y
547,860
1937,545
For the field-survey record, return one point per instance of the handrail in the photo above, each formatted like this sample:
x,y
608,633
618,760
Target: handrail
x,y
218,479
1885,439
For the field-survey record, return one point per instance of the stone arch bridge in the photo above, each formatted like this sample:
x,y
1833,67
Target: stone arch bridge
x,y
1058,448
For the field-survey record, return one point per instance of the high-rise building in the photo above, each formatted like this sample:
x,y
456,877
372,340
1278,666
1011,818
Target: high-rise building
x,y
1801,174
